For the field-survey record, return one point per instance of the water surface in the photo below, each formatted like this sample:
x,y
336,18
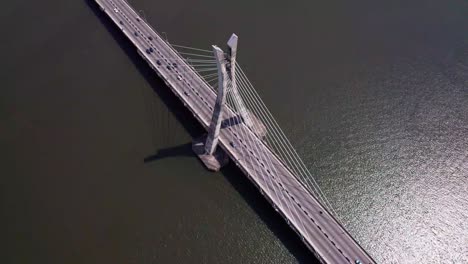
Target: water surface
x,y
373,94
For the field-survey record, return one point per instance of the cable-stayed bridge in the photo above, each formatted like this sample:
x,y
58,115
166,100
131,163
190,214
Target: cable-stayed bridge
x,y
213,86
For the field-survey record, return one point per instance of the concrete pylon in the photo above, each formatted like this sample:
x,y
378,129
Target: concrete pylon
x,y
215,126
248,118
231,69
206,147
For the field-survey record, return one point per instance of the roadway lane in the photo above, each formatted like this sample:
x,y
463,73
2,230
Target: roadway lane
x,y
320,231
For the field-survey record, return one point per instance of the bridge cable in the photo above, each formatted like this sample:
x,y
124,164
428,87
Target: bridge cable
x,y
197,55
287,153
238,122
185,64
281,137
275,145
296,202
253,139
242,109
197,49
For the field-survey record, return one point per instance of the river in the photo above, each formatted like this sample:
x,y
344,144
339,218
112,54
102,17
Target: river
x,y
96,163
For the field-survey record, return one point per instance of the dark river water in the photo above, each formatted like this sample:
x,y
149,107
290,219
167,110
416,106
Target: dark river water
x,y
373,94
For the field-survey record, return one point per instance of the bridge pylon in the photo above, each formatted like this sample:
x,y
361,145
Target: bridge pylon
x,y
231,69
248,118
206,147
215,126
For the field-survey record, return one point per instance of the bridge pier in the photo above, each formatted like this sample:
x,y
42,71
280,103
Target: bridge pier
x,y
214,161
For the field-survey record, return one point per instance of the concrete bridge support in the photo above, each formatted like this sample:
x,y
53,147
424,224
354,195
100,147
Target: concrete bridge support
x,y
215,126
206,147
248,118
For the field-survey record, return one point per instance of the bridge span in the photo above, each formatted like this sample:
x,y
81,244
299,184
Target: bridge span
x,y
303,212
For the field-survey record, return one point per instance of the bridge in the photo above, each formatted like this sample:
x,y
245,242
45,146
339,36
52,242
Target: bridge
x,y
240,131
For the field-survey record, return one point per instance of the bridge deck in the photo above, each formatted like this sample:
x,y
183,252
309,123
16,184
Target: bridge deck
x,y
317,227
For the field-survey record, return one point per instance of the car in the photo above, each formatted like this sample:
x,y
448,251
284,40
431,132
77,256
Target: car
x,y
174,64
232,144
150,38
179,77
138,19
121,23
116,10
168,67
151,49
358,261
148,51
136,34
158,62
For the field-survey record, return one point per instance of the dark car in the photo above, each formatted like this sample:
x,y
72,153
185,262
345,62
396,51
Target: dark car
x,y
169,67
158,62
121,22
232,144
148,51
150,38
136,34
174,64
151,49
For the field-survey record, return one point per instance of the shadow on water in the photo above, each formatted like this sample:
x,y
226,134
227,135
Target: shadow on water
x,y
268,215
236,178
176,151
173,104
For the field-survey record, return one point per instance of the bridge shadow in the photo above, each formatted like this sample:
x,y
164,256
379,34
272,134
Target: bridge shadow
x,y
176,151
232,121
169,99
233,174
267,214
